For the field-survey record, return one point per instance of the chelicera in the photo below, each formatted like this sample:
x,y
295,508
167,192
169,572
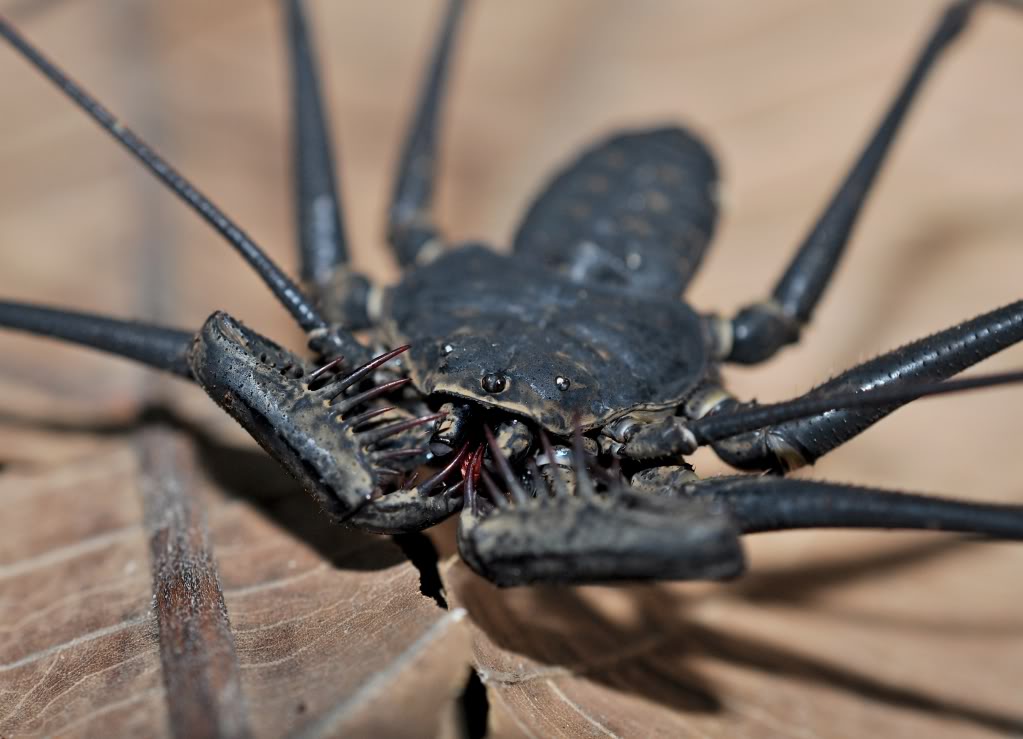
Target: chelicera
x,y
552,398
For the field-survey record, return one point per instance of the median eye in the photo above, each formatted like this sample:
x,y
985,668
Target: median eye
x,y
494,382
562,383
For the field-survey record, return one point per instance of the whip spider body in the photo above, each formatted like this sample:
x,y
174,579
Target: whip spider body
x,y
566,382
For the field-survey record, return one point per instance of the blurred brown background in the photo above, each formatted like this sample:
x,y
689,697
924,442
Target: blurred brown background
x,y
784,91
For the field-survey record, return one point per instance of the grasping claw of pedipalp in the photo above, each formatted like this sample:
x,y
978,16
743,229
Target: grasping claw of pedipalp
x,y
592,531
415,506
320,424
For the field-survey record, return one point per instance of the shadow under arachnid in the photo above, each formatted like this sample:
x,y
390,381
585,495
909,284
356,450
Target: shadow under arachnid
x,y
250,475
648,640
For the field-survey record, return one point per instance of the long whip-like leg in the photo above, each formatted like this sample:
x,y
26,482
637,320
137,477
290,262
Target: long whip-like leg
x,y
941,355
155,346
761,329
328,340
319,215
410,224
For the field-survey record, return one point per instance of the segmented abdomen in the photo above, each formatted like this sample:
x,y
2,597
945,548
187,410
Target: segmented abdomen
x,y
636,210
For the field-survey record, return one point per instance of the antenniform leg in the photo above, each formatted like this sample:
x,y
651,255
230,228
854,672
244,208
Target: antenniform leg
x,y
155,346
411,226
323,248
761,329
324,338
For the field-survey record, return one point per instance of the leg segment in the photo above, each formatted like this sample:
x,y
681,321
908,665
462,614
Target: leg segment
x,y
761,329
323,247
155,346
795,443
410,222
779,504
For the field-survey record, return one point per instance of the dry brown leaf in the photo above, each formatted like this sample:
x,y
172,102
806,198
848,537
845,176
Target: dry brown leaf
x,y
79,640
327,624
831,635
